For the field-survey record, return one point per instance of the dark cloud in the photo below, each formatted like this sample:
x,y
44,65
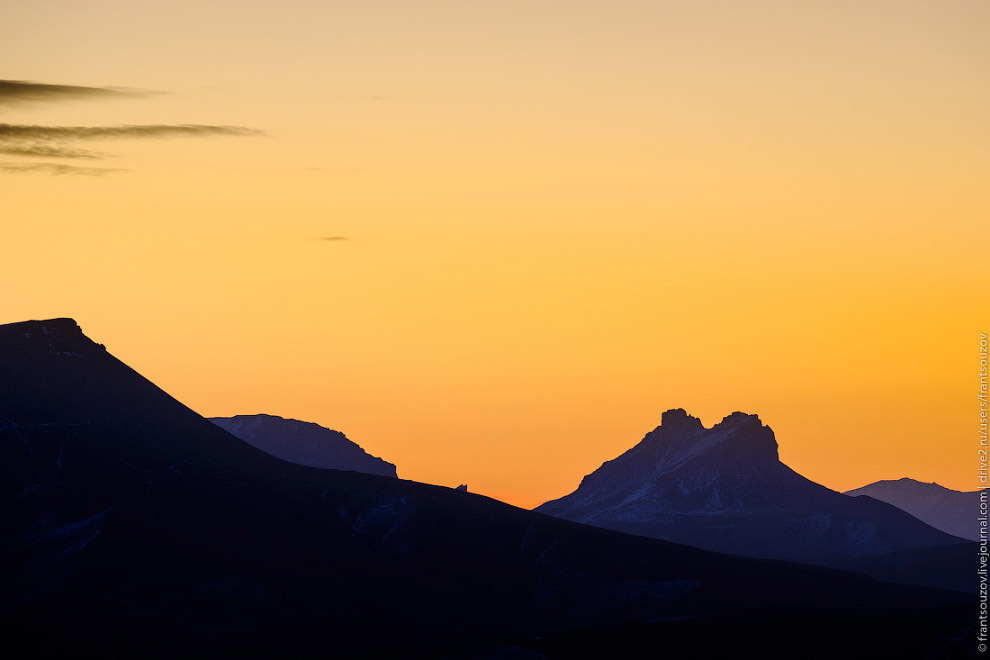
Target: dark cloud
x,y
19,91
333,238
46,133
50,151
55,169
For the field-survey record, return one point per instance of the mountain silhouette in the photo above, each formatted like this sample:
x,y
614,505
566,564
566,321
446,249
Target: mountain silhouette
x,y
952,511
133,527
304,443
725,489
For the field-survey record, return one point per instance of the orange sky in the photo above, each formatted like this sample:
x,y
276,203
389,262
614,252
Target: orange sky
x,y
562,218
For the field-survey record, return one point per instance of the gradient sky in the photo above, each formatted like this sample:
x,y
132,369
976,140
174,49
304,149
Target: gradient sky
x,y
557,220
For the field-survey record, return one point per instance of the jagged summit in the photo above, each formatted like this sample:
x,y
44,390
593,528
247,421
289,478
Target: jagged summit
x,y
682,437
679,418
740,419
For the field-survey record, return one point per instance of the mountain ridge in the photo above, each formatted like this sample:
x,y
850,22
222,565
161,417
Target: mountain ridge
x,y
952,511
304,443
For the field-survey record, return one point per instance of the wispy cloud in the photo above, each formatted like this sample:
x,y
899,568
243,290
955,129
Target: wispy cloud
x,y
332,238
22,91
50,151
56,141
55,169
30,132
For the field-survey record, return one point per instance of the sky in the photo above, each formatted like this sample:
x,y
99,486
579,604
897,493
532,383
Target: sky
x,y
492,242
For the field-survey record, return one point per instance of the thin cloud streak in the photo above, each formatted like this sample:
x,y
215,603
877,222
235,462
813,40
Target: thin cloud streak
x,y
55,169
51,151
332,238
25,91
125,131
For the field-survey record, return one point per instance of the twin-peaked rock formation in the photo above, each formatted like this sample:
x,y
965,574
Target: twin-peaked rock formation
x,y
725,489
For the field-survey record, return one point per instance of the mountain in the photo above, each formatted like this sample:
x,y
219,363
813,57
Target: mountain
x,y
725,489
133,527
304,443
952,511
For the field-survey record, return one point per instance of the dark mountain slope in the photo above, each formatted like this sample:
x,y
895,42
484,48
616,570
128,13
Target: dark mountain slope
x,y
943,566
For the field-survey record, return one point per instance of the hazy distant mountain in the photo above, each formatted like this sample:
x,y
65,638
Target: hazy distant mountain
x,y
725,489
952,511
304,443
133,527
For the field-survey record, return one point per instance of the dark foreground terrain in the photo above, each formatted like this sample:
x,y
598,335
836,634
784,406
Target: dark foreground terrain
x,y
133,527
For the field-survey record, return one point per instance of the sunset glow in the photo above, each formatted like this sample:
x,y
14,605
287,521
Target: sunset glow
x,y
492,242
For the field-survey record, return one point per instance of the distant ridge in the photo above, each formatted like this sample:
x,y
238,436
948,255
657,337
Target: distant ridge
x,y
304,443
952,511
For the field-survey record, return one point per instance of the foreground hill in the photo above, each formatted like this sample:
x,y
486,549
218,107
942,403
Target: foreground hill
x,y
133,527
304,443
952,511
725,489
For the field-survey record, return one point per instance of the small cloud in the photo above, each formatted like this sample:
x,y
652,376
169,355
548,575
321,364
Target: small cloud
x,y
55,169
24,91
333,238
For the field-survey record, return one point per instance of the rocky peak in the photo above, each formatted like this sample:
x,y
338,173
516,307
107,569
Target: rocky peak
x,y
678,420
746,438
